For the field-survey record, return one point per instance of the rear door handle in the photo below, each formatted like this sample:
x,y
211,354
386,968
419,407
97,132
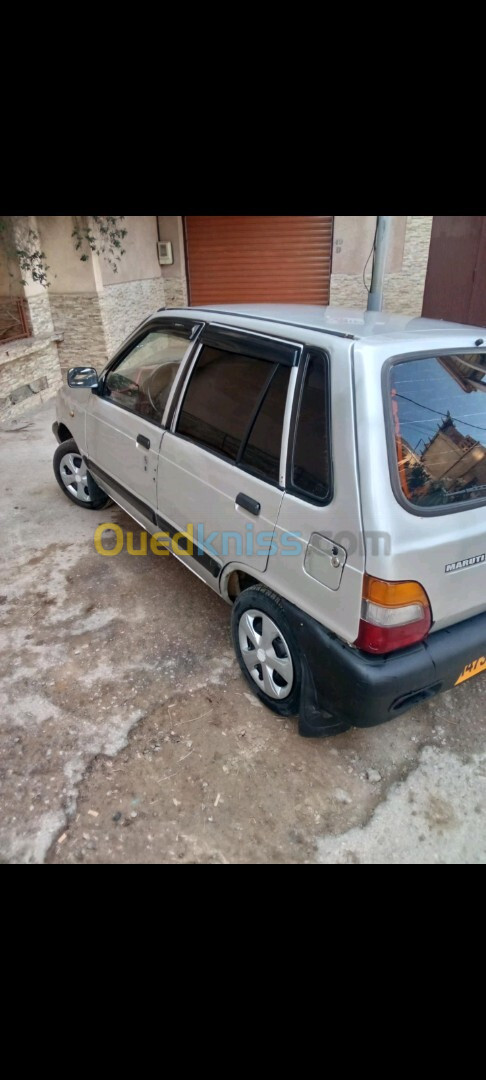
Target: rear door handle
x,y
143,441
251,505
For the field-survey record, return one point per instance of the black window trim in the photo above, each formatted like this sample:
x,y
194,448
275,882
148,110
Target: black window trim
x,y
297,351
153,325
237,339
290,487
386,384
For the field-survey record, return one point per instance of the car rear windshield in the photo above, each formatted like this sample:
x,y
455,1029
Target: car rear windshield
x,y
439,425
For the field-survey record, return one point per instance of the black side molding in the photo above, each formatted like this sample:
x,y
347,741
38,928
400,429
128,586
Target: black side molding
x,y
183,542
138,504
198,553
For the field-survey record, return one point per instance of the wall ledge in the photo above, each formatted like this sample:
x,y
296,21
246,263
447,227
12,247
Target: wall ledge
x,y
12,351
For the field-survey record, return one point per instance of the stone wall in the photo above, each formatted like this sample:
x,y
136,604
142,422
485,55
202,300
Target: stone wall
x,y
125,305
40,314
77,317
29,374
175,292
404,289
404,292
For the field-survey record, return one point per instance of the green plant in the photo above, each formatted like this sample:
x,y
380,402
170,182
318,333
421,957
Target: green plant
x,y
20,243
103,236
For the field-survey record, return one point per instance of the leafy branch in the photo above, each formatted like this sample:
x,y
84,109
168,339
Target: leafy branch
x,y
21,244
103,236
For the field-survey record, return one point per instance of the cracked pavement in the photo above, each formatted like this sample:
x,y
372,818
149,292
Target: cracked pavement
x,y
127,733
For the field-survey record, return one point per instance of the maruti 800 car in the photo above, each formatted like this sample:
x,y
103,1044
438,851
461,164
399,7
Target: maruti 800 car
x,y
327,471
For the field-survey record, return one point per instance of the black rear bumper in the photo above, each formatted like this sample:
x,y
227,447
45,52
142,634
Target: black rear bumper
x,y
343,687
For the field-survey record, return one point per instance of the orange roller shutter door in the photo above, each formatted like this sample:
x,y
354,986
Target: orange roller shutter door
x,y
259,259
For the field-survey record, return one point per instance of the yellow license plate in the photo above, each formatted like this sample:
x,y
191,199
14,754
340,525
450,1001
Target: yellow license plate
x,y
472,669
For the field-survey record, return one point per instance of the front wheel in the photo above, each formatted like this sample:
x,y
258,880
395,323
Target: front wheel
x,y
74,480
266,650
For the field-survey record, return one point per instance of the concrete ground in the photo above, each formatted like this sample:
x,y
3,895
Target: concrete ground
x,y
127,733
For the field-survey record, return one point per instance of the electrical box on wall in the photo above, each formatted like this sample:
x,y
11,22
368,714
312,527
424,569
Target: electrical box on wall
x,y
164,249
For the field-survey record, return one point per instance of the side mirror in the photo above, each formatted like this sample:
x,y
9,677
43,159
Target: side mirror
x,y
84,378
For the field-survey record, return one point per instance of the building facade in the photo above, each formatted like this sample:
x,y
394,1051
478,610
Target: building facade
x,y
88,309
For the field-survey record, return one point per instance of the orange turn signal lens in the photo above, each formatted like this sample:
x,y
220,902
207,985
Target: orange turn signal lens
x,y
393,593
394,614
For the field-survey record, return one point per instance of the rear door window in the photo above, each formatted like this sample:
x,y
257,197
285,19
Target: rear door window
x,y
234,405
438,408
221,398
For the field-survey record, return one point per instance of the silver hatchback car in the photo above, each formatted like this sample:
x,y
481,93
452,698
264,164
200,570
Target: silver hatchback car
x,y
324,470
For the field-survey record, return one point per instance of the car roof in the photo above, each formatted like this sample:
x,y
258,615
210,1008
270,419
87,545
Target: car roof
x,y
344,322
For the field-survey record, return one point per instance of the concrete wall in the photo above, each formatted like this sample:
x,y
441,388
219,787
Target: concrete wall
x,y
404,291
67,273
90,306
175,282
125,305
140,260
353,240
10,280
406,263
71,303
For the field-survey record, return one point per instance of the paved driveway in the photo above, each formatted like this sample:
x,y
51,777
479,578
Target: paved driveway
x,y
127,733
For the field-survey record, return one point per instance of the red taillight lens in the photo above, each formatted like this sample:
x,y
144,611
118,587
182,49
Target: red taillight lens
x,y
394,614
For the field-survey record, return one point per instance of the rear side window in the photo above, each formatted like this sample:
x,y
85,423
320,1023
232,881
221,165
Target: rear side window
x,y
438,409
311,459
222,396
235,405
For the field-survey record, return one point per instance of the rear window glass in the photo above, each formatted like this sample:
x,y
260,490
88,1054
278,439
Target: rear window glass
x,y
439,420
311,473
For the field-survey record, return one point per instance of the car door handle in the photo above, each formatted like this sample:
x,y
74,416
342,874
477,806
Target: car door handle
x,y
251,505
143,441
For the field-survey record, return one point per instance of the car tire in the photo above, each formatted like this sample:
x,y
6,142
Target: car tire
x,y
266,649
75,480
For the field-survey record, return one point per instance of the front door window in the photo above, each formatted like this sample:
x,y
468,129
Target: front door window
x,y
142,380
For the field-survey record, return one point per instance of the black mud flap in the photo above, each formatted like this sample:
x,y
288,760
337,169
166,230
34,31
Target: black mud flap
x,y
314,721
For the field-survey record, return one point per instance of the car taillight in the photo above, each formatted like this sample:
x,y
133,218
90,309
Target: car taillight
x,y
394,614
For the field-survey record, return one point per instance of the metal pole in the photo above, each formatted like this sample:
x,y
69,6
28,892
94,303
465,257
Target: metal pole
x,y
375,295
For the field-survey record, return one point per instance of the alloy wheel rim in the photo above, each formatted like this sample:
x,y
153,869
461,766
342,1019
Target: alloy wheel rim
x,y
266,654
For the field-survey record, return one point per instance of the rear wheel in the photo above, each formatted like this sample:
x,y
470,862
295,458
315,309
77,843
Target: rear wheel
x,y
74,480
266,650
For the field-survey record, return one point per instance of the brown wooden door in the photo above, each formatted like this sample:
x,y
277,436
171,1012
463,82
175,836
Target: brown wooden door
x,y
455,286
257,259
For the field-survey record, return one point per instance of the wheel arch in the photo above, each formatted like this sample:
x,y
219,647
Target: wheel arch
x,y
235,579
64,433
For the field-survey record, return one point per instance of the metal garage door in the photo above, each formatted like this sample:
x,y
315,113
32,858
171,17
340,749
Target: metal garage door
x,y
455,286
252,259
